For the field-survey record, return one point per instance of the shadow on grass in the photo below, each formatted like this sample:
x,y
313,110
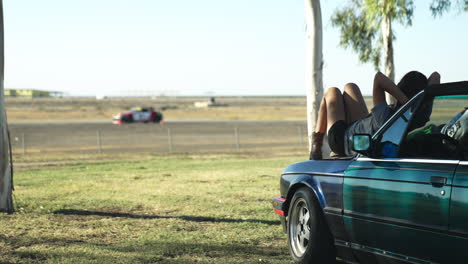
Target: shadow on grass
x,y
48,249
182,217
149,252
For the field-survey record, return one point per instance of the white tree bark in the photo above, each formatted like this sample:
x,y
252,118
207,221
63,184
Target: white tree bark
x,y
314,63
6,176
389,66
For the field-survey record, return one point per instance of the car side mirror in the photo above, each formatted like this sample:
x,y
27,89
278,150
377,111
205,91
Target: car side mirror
x,y
362,143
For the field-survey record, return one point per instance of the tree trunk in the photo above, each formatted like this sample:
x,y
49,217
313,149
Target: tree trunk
x,y
314,63
6,173
389,66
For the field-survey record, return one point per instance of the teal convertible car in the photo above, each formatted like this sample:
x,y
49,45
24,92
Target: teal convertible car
x,y
402,199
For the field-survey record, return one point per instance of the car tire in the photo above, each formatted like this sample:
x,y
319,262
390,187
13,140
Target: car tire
x,y
309,238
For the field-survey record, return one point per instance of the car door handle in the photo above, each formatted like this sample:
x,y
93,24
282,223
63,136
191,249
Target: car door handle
x,y
438,181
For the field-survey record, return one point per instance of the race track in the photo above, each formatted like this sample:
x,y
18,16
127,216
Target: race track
x,y
182,136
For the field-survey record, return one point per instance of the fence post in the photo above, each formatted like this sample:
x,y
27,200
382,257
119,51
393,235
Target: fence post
x,y
236,136
23,143
299,132
169,138
98,134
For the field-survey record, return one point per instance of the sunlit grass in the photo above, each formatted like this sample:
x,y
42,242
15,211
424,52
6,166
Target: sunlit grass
x,y
152,209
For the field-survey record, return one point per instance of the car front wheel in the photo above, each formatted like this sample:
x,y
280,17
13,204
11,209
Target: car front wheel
x,y
309,238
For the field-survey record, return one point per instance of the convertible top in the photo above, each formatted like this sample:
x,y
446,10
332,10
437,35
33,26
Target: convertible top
x,y
454,88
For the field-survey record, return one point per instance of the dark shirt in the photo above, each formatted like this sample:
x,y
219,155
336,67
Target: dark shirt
x,y
368,125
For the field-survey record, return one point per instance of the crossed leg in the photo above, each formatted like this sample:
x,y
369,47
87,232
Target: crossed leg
x,y
354,104
331,110
335,106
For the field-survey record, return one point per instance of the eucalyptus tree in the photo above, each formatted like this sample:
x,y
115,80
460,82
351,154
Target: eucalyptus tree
x,y
6,172
314,63
366,27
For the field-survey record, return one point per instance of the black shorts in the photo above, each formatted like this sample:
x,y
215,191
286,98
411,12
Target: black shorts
x,y
336,135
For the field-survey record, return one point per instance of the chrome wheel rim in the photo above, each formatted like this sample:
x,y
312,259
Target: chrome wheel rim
x,y
299,230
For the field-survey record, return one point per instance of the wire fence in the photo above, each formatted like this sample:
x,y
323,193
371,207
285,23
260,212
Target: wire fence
x,y
172,137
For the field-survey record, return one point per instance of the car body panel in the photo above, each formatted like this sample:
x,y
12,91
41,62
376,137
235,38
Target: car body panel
x,y
396,197
140,116
459,204
325,179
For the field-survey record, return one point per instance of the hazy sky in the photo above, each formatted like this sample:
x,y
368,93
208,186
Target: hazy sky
x,y
241,47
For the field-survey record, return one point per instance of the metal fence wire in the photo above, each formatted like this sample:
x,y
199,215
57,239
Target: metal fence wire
x,y
207,136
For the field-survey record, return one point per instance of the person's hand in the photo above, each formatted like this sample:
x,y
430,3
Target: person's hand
x,y
434,78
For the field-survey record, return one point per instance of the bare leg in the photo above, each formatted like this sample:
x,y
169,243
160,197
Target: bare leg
x,y
355,106
331,110
335,106
321,126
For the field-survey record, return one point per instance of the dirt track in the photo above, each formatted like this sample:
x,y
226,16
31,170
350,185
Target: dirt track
x,y
193,136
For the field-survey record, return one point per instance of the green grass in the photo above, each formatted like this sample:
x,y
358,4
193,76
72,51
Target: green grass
x,y
155,209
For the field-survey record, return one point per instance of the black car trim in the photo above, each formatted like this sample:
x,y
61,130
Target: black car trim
x,y
393,180
389,254
393,168
393,221
343,243
380,252
462,233
460,186
452,88
333,210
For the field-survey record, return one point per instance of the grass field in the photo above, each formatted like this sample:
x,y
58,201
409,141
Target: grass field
x,y
145,209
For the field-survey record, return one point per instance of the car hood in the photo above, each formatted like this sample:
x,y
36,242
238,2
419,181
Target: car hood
x,y
337,166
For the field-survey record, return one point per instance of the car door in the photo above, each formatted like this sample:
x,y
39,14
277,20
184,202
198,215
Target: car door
x,y
458,225
397,207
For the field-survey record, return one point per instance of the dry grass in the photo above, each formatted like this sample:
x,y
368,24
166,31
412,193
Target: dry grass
x,y
89,109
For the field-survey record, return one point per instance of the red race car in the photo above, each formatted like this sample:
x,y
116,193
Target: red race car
x,y
138,115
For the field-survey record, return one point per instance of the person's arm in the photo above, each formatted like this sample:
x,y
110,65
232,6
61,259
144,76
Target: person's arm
x,y
383,84
433,79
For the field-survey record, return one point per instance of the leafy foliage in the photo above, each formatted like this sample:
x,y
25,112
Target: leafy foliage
x,y
439,7
360,25
359,35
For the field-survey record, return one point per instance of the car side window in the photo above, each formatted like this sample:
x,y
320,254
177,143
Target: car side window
x,y
388,145
439,130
